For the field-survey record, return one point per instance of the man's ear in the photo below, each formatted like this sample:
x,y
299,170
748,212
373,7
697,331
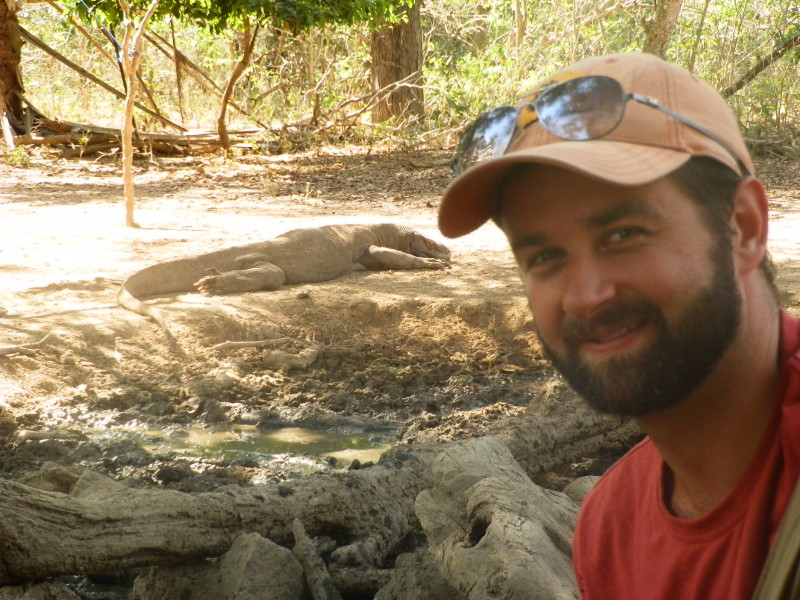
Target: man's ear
x,y
750,222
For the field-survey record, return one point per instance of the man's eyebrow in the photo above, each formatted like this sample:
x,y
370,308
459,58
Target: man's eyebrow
x,y
620,210
529,240
598,220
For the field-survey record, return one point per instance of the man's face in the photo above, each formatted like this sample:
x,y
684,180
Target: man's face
x,y
635,301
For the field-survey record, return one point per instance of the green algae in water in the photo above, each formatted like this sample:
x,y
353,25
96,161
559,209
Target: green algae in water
x,y
230,444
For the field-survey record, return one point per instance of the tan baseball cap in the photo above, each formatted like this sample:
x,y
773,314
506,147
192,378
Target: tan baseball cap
x,y
647,144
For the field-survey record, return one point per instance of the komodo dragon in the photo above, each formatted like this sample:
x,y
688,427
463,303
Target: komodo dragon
x,y
299,256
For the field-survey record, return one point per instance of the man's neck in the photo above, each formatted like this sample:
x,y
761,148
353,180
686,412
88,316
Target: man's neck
x,y
710,438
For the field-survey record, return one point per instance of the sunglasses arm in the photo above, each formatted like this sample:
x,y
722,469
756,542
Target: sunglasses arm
x,y
653,103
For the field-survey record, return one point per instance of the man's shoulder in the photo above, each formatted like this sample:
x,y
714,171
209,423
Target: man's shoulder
x,y
624,501
790,334
625,483
790,358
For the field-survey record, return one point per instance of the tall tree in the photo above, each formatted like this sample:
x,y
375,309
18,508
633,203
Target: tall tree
x,y
659,24
248,42
397,67
10,53
520,21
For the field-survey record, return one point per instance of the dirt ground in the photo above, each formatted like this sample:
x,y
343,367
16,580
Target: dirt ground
x,y
401,356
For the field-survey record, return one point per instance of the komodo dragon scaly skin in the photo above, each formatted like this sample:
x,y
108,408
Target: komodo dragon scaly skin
x,y
299,256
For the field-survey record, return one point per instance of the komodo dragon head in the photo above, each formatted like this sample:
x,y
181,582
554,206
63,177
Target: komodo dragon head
x,y
425,247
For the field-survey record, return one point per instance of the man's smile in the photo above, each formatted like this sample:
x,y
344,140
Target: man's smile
x,y
619,328
613,338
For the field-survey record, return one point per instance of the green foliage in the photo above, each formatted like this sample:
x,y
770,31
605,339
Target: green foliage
x,y
217,15
315,88
18,157
476,60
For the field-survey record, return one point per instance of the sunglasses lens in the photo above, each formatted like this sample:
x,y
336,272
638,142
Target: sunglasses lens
x,y
582,109
487,137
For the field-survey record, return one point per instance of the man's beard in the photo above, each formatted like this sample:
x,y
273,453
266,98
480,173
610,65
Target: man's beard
x,y
675,363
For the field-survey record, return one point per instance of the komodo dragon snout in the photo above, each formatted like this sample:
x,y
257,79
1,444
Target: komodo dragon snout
x,y
307,255
422,246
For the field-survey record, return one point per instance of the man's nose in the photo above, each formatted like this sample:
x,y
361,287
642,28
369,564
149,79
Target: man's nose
x,y
588,286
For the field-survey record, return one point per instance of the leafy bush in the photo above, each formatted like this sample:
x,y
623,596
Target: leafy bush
x,y
477,55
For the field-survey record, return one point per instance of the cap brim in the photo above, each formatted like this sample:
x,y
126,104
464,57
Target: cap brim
x,y
470,200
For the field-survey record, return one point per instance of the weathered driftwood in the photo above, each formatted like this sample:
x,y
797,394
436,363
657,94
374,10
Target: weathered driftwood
x,y
319,580
559,428
24,348
8,133
99,527
493,533
49,533
82,139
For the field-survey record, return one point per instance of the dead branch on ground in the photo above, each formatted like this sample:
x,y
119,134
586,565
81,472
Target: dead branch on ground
x,y
23,348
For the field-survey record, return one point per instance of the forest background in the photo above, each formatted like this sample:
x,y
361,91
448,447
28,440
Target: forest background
x,y
317,85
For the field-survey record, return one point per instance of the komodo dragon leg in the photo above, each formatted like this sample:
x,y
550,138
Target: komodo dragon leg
x,y
262,276
376,258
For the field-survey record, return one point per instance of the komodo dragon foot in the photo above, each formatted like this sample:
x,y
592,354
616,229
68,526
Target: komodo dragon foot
x,y
262,277
434,263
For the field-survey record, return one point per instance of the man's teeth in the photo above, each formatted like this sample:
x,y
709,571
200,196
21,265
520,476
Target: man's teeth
x,y
618,333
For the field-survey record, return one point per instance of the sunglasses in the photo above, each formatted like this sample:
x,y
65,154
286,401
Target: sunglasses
x,y
577,110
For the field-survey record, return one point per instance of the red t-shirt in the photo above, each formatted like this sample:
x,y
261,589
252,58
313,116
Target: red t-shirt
x,y
628,545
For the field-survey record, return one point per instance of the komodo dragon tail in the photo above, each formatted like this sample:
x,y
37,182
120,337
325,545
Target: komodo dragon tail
x,y
172,277
131,302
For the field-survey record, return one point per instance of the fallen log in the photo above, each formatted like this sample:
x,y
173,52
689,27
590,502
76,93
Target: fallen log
x,y
79,139
101,526
97,526
493,533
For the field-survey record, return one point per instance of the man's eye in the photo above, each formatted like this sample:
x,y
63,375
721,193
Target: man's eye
x,y
624,234
543,258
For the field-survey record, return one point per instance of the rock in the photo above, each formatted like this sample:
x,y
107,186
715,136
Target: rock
x,y
578,488
255,568
48,590
212,412
173,473
416,578
170,582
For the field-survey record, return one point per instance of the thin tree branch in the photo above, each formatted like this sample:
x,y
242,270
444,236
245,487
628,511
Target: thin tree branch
x,y
787,46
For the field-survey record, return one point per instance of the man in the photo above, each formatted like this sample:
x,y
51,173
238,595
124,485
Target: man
x,y
627,196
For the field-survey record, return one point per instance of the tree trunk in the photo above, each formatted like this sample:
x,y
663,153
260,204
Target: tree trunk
x,y
698,37
520,21
10,56
659,28
397,57
178,73
248,41
101,526
131,59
